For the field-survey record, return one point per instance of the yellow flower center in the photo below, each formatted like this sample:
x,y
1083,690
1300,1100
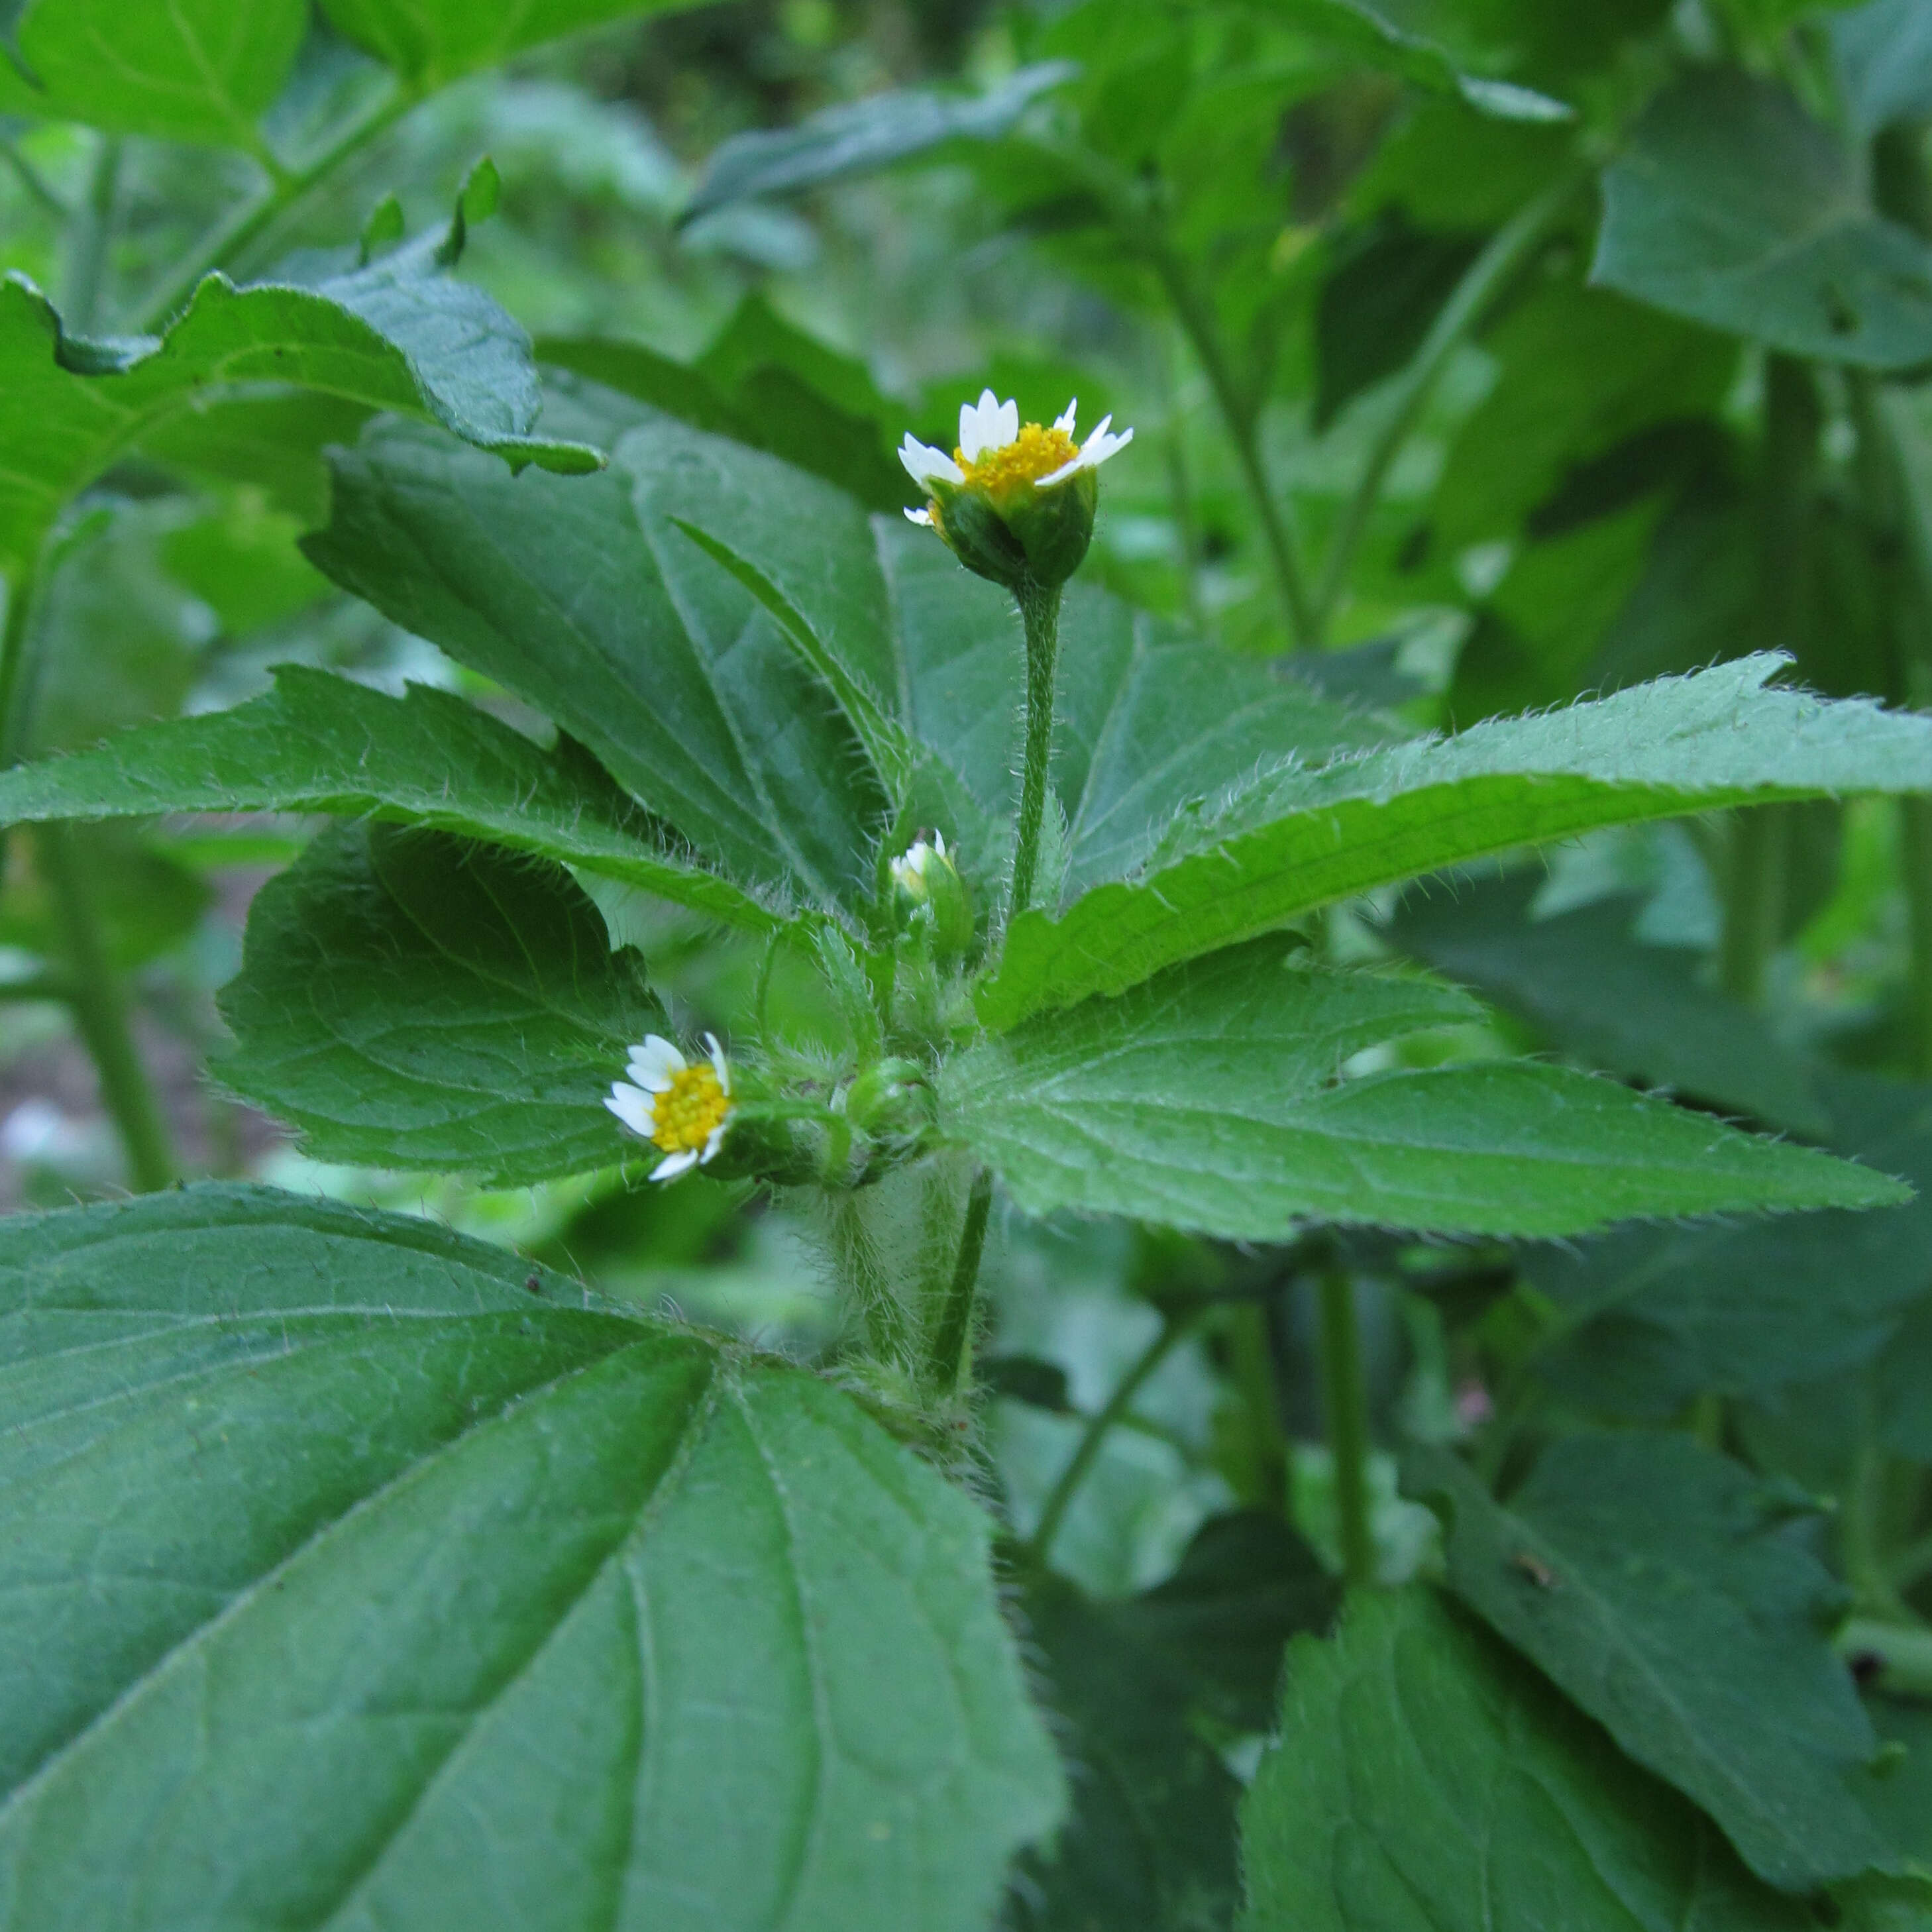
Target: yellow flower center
x,y
689,1110
1034,453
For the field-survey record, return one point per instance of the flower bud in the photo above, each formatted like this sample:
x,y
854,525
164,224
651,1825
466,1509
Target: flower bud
x,y
929,893
891,1100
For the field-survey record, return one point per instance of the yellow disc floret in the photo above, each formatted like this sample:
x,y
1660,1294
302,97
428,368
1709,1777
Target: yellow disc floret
x,y
1034,453
690,1110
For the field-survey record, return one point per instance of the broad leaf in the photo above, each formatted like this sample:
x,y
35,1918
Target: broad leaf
x,y
1293,837
200,71
1655,1316
1732,206
1883,52
863,136
431,43
391,336
1659,1587
1205,1099
411,1589
1428,1781
583,598
1585,983
320,743
410,999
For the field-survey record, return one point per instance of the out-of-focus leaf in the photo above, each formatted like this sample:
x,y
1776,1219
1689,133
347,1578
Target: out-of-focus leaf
x,y
409,999
1654,1584
271,438
149,901
413,1588
242,561
1883,52
199,71
1655,1316
392,336
431,43
863,136
1427,1780
1732,206
1632,1009
1254,854
1905,1386
1203,1099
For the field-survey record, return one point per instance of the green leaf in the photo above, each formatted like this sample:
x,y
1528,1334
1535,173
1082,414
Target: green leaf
x,y
1292,837
149,901
863,136
1732,206
1882,52
409,999
412,1589
431,43
320,743
1582,980
1655,1316
1428,1781
1658,1587
199,70
390,336
583,597
1204,1099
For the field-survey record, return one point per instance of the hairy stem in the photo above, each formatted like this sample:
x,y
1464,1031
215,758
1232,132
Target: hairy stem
x,y
1039,1545
1039,612
97,998
946,1365
888,1330
1471,296
1239,419
1345,1402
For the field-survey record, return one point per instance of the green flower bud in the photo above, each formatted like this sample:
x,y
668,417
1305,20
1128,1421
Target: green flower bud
x,y
929,890
891,1100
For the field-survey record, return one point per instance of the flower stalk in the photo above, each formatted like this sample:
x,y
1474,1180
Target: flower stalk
x,y
1039,612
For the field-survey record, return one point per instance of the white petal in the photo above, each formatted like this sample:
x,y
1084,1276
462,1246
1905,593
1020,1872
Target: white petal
x,y
923,463
977,423
672,1165
924,516
1064,420
654,1063
719,1064
1098,448
638,1111
1008,424
939,843
713,1142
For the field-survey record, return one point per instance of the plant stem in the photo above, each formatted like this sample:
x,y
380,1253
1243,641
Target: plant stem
x,y
1346,1409
1904,1651
1039,612
1753,901
888,1332
13,637
1173,1326
97,998
1471,296
945,1366
250,223
1241,422
92,233
32,180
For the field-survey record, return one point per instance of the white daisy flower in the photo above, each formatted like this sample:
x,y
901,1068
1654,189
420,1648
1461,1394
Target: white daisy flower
x,y
997,453
682,1108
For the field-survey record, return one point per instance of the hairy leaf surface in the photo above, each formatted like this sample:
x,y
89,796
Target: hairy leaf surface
x,y
1653,1582
1294,837
408,1588
1204,1099
411,1000
1428,1781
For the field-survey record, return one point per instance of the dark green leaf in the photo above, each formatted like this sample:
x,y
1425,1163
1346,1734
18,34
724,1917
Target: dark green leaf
x,y
431,43
1243,860
1204,1099
201,70
1584,982
863,136
319,743
409,999
1655,1316
390,336
1657,1585
581,596
411,1590
1883,54
149,901
1428,1781
1732,206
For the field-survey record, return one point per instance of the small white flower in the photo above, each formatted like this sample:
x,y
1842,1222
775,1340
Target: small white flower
x,y
908,869
681,1109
